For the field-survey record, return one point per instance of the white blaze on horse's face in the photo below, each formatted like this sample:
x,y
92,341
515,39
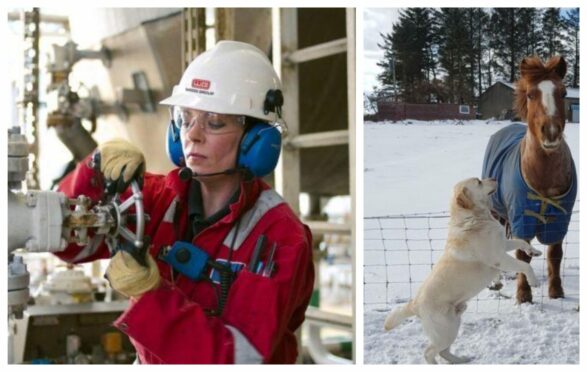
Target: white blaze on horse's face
x,y
547,89
551,131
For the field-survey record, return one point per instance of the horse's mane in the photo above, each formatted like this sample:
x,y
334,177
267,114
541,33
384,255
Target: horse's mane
x,y
534,71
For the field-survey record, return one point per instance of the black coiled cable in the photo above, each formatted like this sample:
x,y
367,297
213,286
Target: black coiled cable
x,y
226,273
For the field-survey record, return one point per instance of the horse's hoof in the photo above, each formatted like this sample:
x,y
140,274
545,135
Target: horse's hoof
x,y
524,296
555,288
556,292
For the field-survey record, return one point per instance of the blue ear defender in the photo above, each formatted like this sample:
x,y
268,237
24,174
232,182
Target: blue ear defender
x,y
258,153
173,145
259,149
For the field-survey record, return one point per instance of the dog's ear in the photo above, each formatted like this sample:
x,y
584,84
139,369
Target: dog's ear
x,y
464,199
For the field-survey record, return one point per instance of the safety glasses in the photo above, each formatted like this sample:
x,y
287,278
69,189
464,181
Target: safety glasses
x,y
209,122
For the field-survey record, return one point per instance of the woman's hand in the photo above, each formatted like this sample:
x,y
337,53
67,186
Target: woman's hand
x,y
121,162
131,279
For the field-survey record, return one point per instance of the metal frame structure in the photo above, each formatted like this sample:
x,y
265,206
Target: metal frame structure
x,y
286,58
193,34
30,90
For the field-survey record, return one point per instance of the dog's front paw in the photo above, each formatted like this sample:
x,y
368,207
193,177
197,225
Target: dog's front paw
x,y
532,252
454,359
464,359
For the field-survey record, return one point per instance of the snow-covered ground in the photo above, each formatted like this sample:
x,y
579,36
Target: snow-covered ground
x,y
528,337
411,167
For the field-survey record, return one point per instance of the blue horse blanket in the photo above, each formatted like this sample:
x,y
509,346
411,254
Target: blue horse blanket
x,y
529,213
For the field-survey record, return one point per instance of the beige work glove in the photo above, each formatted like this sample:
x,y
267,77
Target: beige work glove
x,y
129,278
121,162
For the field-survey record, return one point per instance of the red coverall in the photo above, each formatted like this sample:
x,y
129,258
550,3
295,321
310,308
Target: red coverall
x,y
169,324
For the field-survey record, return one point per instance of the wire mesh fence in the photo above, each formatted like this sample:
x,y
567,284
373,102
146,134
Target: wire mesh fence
x,y
400,251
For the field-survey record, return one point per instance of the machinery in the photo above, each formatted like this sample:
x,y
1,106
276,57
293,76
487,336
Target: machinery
x,y
71,108
47,221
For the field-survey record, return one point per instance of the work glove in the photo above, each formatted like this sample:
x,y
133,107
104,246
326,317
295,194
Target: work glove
x,y
120,163
130,278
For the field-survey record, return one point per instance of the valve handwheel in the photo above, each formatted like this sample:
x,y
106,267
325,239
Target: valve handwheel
x,y
119,237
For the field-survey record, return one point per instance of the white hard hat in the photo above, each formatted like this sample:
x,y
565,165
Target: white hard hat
x,y
231,78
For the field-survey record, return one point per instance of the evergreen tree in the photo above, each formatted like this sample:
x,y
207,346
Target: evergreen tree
x,y
454,54
481,45
530,30
455,45
553,29
410,45
572,55
477,22
508,44
387,77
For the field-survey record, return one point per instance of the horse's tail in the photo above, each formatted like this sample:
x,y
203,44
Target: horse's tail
x,y
399,315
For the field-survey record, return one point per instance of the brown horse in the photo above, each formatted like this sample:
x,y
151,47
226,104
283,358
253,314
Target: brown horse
x,y
544,195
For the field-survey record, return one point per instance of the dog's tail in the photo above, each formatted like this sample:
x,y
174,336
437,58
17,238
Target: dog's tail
x,y
399,315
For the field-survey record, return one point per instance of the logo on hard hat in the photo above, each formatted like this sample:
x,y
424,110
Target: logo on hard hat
x,y
201,84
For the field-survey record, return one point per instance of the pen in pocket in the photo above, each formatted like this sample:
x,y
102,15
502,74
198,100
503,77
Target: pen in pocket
x,y
257,253
270,266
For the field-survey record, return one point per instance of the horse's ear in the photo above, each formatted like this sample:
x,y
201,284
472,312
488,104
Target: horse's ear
x,y
560,66
526,66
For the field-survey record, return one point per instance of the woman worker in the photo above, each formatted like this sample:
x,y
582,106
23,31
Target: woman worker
x,y
223,136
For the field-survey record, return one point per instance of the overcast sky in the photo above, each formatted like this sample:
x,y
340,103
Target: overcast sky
x,y
375,21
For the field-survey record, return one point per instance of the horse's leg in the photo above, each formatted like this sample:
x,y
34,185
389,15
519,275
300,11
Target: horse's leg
x,y
555,256
524,292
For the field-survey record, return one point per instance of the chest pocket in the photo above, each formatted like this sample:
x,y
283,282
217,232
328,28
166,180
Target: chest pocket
x,y
266,201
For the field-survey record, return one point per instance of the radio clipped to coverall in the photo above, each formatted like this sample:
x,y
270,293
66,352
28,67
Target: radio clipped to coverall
x,y
193,263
